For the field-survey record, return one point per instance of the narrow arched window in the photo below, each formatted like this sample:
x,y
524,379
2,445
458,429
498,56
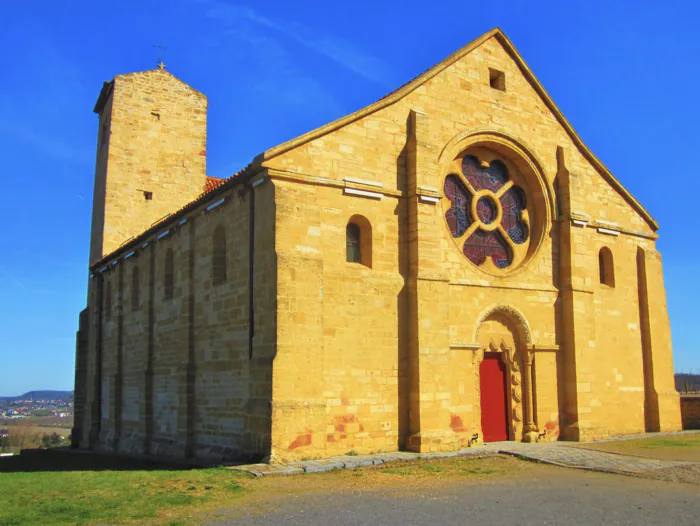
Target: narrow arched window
x,y
169,275
135,289
606,267
219,255
358,241
108,301
353,253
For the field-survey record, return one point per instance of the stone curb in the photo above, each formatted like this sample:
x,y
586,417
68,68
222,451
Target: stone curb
x,y
355,461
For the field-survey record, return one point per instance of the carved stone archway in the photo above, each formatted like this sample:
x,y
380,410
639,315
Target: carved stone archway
x,y
505,330
521,325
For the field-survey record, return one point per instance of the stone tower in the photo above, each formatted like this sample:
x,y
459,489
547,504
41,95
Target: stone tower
x,y
151,154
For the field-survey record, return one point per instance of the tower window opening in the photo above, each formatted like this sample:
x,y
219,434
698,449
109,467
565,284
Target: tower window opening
x,y
148,196
497,79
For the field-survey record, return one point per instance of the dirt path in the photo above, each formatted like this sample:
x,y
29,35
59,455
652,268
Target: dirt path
x,y
508,491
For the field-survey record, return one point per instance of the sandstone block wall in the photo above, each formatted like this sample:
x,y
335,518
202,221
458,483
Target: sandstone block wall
x,y
300,354
152,139
589,377
187,373
338,363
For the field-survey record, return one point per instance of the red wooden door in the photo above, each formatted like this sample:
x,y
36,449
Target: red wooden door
x,y
494,409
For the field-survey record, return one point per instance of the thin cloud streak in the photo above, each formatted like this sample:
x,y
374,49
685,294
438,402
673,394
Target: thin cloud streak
x,y
339,50
12,280
50,146
242,36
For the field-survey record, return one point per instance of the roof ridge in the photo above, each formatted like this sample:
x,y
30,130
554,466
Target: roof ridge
x,y
422,78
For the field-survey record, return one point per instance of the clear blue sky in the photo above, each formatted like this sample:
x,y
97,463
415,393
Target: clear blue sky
x,y
624,74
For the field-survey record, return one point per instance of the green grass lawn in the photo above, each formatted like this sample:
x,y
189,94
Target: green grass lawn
x,y
89,497
678,441
459,467
91,489
679,447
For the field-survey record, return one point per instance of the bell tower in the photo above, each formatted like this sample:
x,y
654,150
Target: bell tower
x,y
151,154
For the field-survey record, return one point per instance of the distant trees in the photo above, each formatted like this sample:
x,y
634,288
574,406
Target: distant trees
x,y
29,437
52,440
24,437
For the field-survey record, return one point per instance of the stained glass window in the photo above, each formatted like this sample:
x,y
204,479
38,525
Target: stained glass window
x,y
486,210
491,178
352,243
482,245
484,239
457,216
513,203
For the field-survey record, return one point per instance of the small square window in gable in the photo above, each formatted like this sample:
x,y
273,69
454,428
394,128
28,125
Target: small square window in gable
x,y
497,79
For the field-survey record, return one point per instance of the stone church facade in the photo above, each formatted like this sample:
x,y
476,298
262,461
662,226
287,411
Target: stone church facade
x,y
447,266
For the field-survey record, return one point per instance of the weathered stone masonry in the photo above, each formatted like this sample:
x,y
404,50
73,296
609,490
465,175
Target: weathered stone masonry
x,y
304,352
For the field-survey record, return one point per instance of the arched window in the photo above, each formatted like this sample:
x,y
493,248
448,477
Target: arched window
x,y
352,244
168,275
108,301
358,241
606,266
135,289
219,255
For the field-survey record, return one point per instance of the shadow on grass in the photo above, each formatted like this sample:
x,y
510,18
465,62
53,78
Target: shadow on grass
x,y
65,459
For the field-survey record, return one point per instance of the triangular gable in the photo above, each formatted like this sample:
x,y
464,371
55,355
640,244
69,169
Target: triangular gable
x,y
421,79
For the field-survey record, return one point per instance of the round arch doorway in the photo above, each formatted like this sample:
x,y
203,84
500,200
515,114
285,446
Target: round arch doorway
x,y
504,363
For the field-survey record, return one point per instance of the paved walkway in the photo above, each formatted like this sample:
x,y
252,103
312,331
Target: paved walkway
x,y
574,457
556,453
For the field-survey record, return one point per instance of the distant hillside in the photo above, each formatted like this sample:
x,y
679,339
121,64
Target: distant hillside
x,y
39,395
691,381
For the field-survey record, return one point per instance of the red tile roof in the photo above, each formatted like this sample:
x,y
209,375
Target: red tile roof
x,y
212,182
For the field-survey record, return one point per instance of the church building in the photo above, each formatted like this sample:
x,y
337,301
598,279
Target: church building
x,y
448,266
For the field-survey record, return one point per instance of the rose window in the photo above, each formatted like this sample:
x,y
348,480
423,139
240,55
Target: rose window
x,y
488,214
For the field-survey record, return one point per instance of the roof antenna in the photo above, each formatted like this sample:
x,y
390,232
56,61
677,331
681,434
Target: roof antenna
x,y
160,49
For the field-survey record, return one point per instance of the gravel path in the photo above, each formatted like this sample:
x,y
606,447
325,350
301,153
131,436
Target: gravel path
x,y
552,496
